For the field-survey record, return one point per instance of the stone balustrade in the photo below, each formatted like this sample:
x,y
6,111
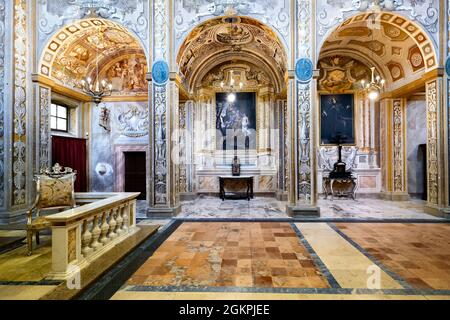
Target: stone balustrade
x,y
83,234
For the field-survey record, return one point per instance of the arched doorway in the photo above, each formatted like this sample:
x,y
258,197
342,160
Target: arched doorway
x,y
217,53
384,150
99,49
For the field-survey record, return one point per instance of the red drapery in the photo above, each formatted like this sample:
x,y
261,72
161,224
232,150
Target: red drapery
x,y
71,152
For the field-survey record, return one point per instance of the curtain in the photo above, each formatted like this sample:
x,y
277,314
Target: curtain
x,y
71,152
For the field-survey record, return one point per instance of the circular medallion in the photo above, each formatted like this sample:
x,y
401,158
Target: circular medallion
x,y
304,70
447,67
160,72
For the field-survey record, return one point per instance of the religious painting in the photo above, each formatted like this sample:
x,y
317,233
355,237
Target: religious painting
x,y
337,119
128,75
236,121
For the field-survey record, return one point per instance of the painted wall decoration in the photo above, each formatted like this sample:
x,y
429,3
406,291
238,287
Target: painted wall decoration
x,y
236,119
128,75
337,119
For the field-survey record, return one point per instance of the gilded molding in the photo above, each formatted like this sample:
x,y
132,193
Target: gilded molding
x,y
19,142
432,143
398,146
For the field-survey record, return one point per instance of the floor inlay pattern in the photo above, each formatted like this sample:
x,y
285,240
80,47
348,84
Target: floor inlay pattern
x,y
418,253
243,254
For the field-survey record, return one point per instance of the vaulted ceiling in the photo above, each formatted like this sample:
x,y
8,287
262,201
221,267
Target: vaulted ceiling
x,y
94,46
240,40
399,50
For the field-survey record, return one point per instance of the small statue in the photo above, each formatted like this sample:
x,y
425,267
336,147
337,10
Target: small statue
x,y
236,167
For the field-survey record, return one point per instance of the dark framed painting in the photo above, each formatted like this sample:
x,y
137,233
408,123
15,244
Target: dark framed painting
x,y
337,119
236,121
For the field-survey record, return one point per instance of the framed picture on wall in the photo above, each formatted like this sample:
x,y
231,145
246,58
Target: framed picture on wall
x,y
337,119
236,121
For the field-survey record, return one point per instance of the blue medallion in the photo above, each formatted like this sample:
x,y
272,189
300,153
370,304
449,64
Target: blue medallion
x,y
160,72
447,66
304,70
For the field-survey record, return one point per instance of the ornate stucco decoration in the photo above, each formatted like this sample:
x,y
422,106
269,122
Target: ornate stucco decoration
x,y
334,12
53,14
44,128
19,107
274,13
341,74
133,121
398,146
432,142
251,77
329,155
250,41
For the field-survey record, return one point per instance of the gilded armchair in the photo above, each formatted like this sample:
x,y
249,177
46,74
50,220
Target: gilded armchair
x,y
55,190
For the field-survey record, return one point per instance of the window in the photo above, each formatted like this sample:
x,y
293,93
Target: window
x,y
59,118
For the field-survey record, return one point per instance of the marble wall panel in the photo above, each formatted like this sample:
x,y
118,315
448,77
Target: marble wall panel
x,y
416,134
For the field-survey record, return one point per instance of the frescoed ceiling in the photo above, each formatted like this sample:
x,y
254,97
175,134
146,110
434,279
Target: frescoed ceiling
x,y
399,51
218,41
96,48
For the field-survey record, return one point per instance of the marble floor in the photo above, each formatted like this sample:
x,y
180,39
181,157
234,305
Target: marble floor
x,y
209,207
282,260
231,254
262,260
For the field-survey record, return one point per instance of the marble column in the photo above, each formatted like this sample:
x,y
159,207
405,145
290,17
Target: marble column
x,y
302,106
163,119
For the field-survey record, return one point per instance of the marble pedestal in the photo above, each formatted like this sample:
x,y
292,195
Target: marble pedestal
x,y
302,211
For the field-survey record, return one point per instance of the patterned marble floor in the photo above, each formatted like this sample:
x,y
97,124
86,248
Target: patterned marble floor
x,y
280,260
418,253
208,207
231,254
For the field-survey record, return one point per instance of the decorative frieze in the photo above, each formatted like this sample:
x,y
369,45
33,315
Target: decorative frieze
x,y
19,105
398,146
44,128
303,104
160,145
432,142
182,182
304,139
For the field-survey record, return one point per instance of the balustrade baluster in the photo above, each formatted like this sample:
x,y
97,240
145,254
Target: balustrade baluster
x,y
96,234
112,224
125,217
104,229
119,220
86,238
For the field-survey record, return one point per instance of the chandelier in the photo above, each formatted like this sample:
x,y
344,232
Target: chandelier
x,y
374,87
98,89
230,17
231,97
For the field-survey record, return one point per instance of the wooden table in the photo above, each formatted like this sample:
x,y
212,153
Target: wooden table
x,y
247,179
